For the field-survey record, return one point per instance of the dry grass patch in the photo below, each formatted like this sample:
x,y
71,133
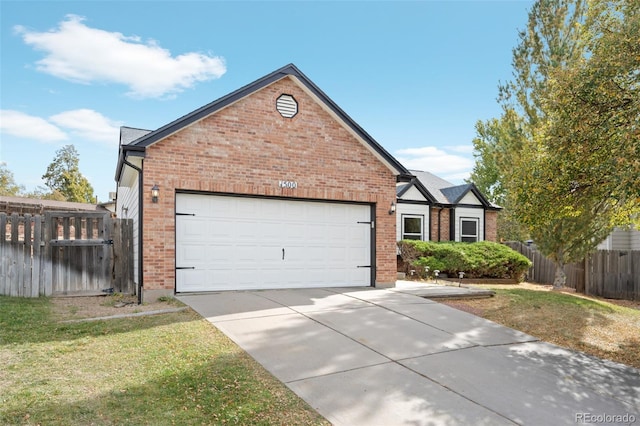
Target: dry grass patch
x,y
604,328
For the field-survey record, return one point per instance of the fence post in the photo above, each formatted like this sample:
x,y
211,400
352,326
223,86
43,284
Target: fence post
x,y
46,269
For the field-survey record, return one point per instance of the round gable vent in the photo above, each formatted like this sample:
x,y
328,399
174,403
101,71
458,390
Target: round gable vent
x,y
287,106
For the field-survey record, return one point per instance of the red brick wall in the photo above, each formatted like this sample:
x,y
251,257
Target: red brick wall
x,y
441,219
247,148
491,225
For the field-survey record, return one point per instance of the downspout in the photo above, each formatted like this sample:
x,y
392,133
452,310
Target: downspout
x,y
484,224
140,223
439,219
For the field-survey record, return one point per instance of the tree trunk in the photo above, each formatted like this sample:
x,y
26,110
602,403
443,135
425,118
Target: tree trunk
x,y
560,278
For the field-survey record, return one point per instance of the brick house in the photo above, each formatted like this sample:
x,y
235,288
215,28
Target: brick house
x,y
270,186
431,209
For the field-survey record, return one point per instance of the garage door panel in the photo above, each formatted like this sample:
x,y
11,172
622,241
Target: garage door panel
x,y
236,243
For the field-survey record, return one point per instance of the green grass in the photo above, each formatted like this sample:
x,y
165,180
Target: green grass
x,y
156,370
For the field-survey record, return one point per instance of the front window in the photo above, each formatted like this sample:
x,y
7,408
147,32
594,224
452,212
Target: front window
x,y
412,227
469,230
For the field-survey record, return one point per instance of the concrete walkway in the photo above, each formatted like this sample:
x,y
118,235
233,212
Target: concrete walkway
x,y
382,357
440,291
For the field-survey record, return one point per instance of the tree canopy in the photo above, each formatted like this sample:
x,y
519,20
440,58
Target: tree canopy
x,y
564,157
63,176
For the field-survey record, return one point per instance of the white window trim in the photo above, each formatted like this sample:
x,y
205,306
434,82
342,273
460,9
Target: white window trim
x,y
470,219
413,216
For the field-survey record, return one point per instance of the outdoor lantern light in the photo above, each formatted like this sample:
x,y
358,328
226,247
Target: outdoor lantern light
x,y
392,209
155,191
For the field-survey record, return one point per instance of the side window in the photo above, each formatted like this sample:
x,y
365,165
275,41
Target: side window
x,y
412,227
468,230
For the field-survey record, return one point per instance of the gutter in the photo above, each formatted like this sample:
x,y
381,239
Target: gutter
x,y
140,225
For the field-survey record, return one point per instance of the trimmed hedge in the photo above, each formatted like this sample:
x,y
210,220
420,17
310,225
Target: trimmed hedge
x,y
483,259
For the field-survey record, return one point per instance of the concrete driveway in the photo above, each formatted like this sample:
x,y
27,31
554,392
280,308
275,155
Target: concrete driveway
x,y
380,357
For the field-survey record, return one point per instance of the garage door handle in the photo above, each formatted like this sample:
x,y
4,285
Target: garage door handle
x,y
282,254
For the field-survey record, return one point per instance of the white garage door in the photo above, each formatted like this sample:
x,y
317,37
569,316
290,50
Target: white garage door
x,y
240,243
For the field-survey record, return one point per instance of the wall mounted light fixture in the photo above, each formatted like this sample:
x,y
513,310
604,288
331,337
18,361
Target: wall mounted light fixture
x,y
155,192
392,209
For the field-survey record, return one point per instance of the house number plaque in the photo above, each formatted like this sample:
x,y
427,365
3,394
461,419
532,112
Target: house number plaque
x,y
290,184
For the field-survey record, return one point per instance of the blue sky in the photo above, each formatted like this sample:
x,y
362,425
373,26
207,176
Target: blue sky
x,y
415,75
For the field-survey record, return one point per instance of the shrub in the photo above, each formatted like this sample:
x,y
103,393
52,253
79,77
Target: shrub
x,y
483,259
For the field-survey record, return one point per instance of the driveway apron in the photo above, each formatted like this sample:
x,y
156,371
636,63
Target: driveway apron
x,y
380,357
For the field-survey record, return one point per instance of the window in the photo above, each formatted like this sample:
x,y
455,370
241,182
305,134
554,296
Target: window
x,y
412,227
468,230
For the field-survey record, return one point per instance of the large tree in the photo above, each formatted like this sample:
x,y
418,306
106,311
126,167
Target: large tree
x,y
570,172
63,176
564,223
580,175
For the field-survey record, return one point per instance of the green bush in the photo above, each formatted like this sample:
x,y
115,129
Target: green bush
x,y
483,259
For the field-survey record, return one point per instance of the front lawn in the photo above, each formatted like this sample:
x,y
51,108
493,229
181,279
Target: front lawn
x,y
604,328
156,370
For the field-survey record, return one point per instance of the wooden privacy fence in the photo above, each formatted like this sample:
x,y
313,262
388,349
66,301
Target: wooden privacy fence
x,y
64,253
613,274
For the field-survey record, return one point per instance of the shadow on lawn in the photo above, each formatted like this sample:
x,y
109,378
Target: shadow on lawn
x,y
229,388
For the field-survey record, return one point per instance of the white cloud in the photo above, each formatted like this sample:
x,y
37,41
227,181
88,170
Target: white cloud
x,y
82,54
26,126
452,167
89,124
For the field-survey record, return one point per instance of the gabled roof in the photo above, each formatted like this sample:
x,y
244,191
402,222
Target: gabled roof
x,y
402,189
433,184
443,192
287,71
455,193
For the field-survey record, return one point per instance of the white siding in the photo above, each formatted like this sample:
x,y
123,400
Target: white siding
x,y
635,239
621,239
469,212
127,208
413,194
470,198
606,244
412,209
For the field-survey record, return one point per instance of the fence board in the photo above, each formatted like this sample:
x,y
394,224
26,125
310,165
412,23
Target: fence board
x,y
612,274
64,253
36,264
27,266
15,267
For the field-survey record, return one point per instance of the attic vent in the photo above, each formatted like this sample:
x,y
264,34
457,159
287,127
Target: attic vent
x,y
287,106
